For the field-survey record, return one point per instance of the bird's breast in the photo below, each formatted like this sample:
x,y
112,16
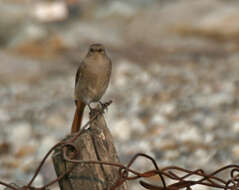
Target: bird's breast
x,y
95,78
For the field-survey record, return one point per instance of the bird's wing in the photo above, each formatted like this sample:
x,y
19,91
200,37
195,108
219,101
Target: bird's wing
x,y
78,73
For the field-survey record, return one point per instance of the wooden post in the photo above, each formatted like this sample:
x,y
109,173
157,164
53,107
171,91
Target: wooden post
x,y
96,143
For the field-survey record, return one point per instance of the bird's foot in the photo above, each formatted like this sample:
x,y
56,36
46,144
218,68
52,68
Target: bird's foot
x,y
105,104
101,109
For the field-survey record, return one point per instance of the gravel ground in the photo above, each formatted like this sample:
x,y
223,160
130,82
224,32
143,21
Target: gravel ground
x,y
174,84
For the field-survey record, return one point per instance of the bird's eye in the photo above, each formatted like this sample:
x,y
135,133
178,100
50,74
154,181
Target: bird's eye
x,y
91,49
101,50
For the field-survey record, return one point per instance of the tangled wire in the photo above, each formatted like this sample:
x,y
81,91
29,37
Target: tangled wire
x,y
126,173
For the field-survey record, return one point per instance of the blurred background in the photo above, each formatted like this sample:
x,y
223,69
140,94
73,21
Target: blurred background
x,y
175,81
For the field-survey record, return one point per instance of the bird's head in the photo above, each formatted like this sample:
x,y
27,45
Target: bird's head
x,y
96,49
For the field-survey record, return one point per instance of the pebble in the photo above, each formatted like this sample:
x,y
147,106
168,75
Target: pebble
x,y
209,138
5,148
117,8
171,155
121,130
30,32
167,108
203,157
218,19
4,116
50,11
121,71
28,164
10,162
138,126
46,143
25,150
21,132
235,127
235,151
55,120
190,135
158,120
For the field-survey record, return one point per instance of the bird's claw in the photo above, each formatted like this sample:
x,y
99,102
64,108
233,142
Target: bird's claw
x,y
102,109
105,104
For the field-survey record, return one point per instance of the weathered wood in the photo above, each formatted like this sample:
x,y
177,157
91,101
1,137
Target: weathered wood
x,y
96,143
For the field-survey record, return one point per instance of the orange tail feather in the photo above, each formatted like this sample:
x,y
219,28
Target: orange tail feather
x,y
78,117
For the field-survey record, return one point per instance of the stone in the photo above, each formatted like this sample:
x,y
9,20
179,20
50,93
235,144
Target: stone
x,y
25,150
46,143
235,151
4,116
20,133
121,130
50,11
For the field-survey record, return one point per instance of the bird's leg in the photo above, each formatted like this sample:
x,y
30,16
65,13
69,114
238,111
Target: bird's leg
x,y
92,110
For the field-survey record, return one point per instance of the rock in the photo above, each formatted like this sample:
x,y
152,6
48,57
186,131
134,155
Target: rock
x,y
203,157
55,120
4,148
15,68
121,130
20,132
167,108
171,154
26,150
221,22
191,134
11,163
116,8
50,11
236,127
165,144
138,127
235,151
206,18
46,143
28,164
158,120
88,31
16,14
29,32
4,116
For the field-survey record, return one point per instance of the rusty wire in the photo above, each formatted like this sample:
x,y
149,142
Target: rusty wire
x,y
126,173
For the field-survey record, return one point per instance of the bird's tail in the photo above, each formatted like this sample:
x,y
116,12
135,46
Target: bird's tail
x,y
78,117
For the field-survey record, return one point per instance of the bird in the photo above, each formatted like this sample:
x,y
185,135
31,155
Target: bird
x,y
91,81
